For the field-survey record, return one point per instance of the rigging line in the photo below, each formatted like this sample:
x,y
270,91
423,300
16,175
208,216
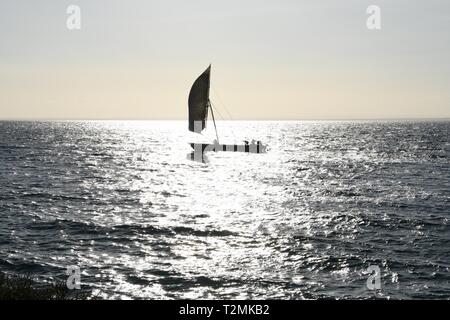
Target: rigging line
x,y
221,102
220,114
217,109
216,93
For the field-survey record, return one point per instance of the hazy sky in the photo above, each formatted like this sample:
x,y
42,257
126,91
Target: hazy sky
x,y
279,59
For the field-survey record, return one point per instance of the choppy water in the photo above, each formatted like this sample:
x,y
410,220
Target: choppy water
x,y
305,220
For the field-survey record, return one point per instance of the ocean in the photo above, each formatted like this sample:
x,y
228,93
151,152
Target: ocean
x,y
334,209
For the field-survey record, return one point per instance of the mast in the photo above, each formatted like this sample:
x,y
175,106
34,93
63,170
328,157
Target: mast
x,y
214,120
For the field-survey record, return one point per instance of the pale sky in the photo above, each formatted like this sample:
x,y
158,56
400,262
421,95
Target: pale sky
x,y
275,59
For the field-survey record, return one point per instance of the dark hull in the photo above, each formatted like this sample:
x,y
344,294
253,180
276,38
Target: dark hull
x,y
205,147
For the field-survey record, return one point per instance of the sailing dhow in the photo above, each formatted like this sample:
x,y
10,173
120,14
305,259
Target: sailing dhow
x,y
199,105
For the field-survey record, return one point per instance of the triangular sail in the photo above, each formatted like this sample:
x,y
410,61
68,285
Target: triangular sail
x,y
199,102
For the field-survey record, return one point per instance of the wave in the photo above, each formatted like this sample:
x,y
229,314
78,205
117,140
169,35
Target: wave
x,y
125,230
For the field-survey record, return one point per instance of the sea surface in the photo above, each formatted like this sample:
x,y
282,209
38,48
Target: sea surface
x,y
328,206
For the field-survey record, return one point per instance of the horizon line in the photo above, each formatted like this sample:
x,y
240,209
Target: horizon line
x,y
231,120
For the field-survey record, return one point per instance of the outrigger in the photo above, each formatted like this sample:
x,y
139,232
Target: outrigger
x,y
248,148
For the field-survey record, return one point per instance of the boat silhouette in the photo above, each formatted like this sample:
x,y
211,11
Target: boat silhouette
x,y
199,106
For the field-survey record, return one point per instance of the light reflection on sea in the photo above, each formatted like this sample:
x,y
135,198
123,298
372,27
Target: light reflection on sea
x,y
305,220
